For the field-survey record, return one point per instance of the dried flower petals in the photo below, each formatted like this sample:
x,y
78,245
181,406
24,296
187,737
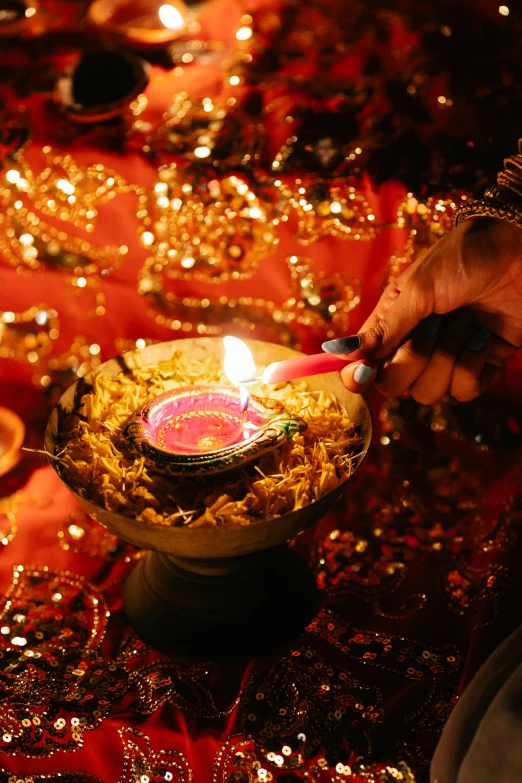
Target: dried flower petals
x,y
97,463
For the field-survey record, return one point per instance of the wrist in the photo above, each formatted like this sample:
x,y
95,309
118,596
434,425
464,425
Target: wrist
x,y
498,238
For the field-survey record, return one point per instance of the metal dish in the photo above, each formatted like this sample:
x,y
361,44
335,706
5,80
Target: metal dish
x,y
222,541
196,582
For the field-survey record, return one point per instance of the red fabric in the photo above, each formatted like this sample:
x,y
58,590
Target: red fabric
x,y
407,614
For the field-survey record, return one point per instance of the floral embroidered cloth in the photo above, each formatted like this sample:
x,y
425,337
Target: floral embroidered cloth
x,y
417,567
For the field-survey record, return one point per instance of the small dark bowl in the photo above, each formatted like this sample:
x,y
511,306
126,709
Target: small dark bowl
x,y
101,85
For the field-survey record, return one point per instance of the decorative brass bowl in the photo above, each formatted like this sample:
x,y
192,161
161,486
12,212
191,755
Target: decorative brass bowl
x,y
196,582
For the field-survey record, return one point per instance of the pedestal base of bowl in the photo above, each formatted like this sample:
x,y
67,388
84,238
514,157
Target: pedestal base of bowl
x,y
209,608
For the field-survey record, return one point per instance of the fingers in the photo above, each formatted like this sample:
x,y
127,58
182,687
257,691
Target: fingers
x,y
435,379
479,364
388,297
444,354
402,369
410,359
357,377
450,354
413,304
489,374
351,344
466,383
463,363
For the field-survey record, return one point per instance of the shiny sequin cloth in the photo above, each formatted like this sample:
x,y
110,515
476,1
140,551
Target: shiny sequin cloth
x,y
268,183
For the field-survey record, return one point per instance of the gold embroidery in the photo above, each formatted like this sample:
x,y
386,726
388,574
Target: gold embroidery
x,y
51,627
202,225
143,765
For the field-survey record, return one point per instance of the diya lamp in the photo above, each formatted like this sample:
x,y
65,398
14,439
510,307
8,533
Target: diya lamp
x,y
209,590
16,16
101,85
12,433
141,24
202,430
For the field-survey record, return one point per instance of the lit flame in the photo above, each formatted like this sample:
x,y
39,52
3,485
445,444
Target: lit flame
x,y
239,363
171,17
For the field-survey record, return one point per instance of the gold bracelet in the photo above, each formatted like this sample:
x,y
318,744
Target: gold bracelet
x,y
488,208
503,200
508,190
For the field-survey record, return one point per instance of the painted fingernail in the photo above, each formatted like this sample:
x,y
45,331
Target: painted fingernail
x,y
363,374
343,345
430,325
479,339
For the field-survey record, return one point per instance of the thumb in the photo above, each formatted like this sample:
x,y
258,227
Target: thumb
x,y
414,303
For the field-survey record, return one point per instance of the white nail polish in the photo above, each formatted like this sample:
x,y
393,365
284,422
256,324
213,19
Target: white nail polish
x,y
363,374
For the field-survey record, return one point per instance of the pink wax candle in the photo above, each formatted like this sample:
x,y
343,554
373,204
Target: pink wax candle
x,y
318,364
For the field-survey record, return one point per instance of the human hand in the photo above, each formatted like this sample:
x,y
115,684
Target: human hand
x,y
449,323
